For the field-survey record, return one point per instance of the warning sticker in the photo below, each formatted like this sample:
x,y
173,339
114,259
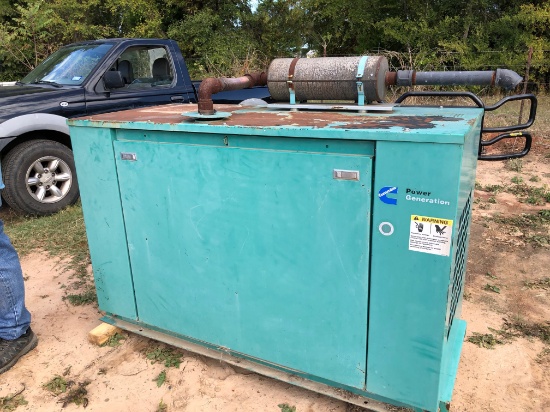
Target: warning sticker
x,y
430,235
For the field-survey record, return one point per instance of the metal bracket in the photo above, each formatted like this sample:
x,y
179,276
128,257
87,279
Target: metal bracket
x,y
360,87
290,82
291,92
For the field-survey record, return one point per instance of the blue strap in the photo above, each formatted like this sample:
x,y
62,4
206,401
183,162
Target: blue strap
x,y
358,76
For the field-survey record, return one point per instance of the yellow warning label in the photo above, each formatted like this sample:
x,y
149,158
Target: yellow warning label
x,y
430,235
435,220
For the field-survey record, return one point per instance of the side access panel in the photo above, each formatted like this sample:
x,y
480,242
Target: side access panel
x,y
414,229
93,151
262,252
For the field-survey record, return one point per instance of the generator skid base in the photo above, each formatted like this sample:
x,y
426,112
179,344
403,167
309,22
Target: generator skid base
x,y
254,365
326,249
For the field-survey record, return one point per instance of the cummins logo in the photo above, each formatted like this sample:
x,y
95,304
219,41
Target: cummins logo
x,y
385,192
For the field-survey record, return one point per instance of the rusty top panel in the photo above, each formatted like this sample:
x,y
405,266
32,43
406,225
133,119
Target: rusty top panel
x,y
172,114
247,120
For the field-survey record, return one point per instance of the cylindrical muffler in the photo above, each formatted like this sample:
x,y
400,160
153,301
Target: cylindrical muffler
x,y
328,78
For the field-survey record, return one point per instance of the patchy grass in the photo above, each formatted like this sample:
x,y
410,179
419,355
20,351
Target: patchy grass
x,y
76,395
160,379
12,402
162,407
87,297
285,407
511,330
491,288
515,165
57,385
525,193
530,194
485,340
538,284
480,204
532,330
115,340
544,356
492,188
171,358
533,226
541,127
61,235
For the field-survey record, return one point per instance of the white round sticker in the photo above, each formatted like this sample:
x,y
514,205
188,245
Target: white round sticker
x,y
386,228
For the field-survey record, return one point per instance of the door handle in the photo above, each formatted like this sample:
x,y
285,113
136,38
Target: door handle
x,y
177,98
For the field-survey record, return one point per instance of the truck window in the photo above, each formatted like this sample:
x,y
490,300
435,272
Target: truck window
x,y
145,67
70,65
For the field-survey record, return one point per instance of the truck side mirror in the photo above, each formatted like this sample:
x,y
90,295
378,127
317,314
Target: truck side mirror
x,y
113,80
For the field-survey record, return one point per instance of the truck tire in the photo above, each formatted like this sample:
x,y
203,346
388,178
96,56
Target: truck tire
x,y
40,177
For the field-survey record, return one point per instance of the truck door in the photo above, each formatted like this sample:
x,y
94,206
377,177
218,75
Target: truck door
x,y
149,79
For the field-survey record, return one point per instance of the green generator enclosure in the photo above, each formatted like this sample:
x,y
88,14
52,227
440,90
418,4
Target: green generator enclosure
x,y
323,248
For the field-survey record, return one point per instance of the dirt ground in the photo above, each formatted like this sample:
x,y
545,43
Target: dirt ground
x,y
503,259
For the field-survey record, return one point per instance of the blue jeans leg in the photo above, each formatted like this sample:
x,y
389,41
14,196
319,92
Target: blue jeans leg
x,y
14,317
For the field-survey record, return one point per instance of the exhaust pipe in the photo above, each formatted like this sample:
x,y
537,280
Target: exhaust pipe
x,y
343,78
213,85
507,79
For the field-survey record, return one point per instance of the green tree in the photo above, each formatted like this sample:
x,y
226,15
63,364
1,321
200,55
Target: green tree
x,y
24,42
279,27
222,37
37,28
217,40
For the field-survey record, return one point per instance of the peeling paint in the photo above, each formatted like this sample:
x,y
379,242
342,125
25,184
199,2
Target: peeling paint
x,y
268,118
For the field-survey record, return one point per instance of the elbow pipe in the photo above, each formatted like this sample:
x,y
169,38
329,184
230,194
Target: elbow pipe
x,y
507,79
213,85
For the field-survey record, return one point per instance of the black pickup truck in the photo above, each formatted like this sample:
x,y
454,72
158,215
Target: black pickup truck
x,y
83,79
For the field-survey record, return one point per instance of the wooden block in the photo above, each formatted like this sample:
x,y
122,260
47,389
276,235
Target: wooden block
x,y
102,333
